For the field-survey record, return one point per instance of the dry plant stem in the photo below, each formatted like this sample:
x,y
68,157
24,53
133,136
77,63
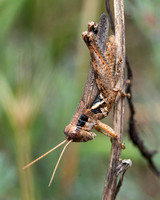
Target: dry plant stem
x,y
133,132
111,179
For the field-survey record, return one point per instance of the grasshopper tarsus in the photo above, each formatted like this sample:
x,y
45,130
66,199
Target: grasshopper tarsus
x,y
93,27
128,82
123,93
122,145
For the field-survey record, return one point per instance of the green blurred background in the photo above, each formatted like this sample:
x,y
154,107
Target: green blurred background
x,y
43,68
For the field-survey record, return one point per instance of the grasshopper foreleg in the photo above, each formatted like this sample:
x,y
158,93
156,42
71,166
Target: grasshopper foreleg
x,y
108,132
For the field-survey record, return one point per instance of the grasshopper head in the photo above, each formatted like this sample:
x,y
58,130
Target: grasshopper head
x,y
77,134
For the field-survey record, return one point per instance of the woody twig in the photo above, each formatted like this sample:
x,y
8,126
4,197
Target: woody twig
x,y
111,179
133,132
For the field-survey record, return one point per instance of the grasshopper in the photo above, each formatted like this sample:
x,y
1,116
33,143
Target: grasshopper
x,y
99,92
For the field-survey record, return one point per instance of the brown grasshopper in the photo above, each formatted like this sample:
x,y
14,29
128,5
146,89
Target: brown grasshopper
x,y
100,89
99,92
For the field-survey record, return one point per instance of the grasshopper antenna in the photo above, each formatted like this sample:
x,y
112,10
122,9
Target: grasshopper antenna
x,y
34,161
58,162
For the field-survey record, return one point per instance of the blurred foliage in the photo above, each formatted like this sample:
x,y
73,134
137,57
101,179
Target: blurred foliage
x,y
43,67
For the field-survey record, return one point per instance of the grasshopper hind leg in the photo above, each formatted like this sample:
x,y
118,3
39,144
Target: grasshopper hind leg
x,y
108,132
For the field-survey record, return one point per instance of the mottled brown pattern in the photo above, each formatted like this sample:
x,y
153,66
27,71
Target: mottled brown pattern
x,y
99,88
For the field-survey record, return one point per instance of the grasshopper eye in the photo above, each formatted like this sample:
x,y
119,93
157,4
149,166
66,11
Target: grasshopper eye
x,y
70,131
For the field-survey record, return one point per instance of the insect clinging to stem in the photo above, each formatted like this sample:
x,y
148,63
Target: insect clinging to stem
x,y
99,92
